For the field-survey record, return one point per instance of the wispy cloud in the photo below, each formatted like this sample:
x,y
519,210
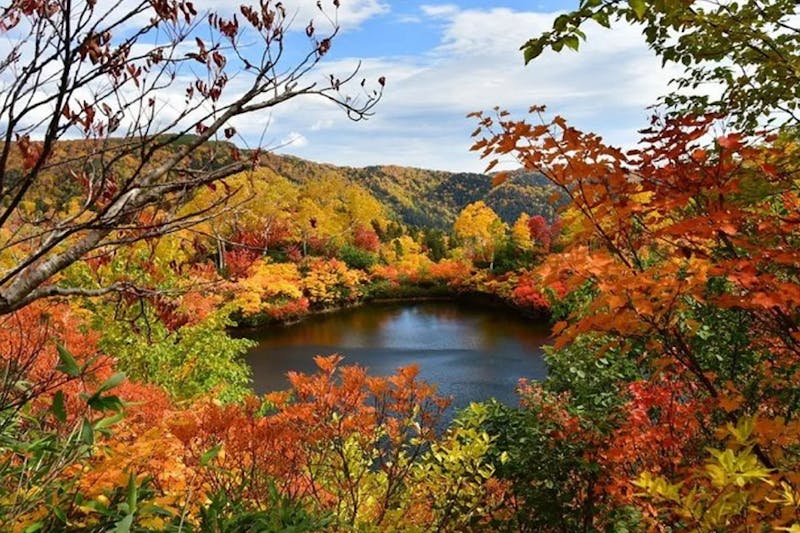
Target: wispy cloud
x,y
476,65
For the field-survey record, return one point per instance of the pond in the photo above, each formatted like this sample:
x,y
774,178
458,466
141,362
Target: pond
x,y
472,352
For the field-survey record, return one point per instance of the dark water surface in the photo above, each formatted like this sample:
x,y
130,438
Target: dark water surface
x,y
472,352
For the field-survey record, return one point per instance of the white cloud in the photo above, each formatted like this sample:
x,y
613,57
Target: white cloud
x,y
408,19
439,10
322,124
350,15
605,87
295,140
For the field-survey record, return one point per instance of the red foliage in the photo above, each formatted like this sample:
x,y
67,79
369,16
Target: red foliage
x,y
292,309
294,254
28,353
305,433
660,432
366,239
318,245
238,262
451,271
249,239
541,233
528,294
167,311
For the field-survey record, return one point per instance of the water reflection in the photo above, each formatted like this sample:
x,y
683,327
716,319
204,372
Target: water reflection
x,y
471,352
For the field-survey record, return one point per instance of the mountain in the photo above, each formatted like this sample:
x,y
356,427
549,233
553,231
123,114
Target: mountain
x,y
430,198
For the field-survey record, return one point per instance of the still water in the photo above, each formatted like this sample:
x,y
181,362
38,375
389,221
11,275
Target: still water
x,y
471,352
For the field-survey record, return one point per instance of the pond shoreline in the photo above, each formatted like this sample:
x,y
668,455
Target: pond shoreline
x,y
435,295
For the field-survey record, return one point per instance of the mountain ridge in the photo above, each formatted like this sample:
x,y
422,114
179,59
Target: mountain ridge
x,y
429,198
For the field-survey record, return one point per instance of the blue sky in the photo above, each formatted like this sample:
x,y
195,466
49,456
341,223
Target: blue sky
x,y
443,60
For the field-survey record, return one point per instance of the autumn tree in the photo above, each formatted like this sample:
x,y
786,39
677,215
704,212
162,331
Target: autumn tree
x,y
107,74
680,271
521,235
482,231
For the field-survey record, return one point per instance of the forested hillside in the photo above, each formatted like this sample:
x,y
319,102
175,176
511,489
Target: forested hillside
x,y
135,235
430,198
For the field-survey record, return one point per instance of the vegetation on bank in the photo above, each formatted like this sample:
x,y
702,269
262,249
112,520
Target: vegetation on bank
x,y
672,396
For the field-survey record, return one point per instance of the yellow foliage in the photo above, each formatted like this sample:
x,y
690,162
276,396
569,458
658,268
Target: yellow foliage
x,y
328,281
481,230
732,491
521,234
267,283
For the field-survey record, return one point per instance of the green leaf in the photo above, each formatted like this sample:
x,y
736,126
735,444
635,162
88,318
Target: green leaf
x,y
132,493
601,17
124,525
639,8
87,432
560,24
58,408
111,382
105,403
109,421
208,456
531,51
572,42
59,513
68,364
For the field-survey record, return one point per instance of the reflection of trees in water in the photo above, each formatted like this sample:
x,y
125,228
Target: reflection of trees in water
x,y
498,325
496,330
471,351
333,329
367,326
494,325
445,312
372,319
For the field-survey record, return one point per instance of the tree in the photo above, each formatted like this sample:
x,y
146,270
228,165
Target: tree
x,y
695,257
481,230
749,48
539,232
434,242
521,234
682,259
103,72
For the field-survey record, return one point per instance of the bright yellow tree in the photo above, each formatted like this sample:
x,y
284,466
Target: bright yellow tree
x,y
481,231
521,234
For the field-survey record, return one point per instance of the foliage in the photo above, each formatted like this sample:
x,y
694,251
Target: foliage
x,y
108,71
345,446
455,481
593,376
357,258
56,400
544,456
429,199
679,274
282,515
731,490
191,361
272,289
672,396
328,281
481,231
